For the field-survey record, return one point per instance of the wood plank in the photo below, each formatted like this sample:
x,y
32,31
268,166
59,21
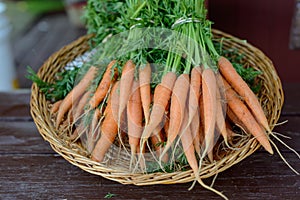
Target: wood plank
x,y
47,176
15,105
290,129
22,138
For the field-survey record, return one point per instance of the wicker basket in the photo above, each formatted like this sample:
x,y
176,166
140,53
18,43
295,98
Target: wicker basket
x,y
271,97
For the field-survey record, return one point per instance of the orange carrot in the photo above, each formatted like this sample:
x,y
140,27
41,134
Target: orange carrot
x,y
195,130
188,146
104,85
229,130
70,117
55,107
241,87
81,104
92,134
125,86
220,117
75,93
109,128
193,109
162,94
74,134
195,88
167,123
246,117
177,109
233,118
114,100
209,109
201,121
145,78
157,141
134,118
77,132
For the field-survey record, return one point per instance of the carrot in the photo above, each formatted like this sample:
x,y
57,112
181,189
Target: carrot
x,y
161,97
194,93
77,132
157,141
125,86
75,93
72,110
189,151
233,118
246,117
193,109
145,78
70,116
109,127
177,109
195,130
167,123
201,121
241,87
81,104
187,145
209,109
114,100
74,134
162,94
104,85
92,134
229,130
134,118
220,117
55,107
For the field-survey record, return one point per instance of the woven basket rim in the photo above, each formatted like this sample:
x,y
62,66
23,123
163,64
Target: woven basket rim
x,y
40,115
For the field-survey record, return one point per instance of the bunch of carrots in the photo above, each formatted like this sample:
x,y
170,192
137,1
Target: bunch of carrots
x,y
198,98
193,103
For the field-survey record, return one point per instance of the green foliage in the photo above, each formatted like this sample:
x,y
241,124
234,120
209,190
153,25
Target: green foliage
x,y
249,75
63,84
109,195
103,18
179,163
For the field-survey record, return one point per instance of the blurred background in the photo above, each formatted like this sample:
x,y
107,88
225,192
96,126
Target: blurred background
x,y
271,25
38,28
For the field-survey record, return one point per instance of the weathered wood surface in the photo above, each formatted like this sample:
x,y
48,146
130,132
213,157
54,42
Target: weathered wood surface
x,y
47,176
15,105
30,169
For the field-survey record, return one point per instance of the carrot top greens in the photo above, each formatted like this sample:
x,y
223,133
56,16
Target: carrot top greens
x,y
63,84
102,17
190,43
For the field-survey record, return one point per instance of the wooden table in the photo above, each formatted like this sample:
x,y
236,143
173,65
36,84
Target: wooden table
x,y
30,169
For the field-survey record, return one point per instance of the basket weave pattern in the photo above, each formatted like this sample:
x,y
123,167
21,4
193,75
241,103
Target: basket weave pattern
x,y
270,96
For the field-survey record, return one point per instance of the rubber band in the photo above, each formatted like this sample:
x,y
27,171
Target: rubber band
x,y
182,20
